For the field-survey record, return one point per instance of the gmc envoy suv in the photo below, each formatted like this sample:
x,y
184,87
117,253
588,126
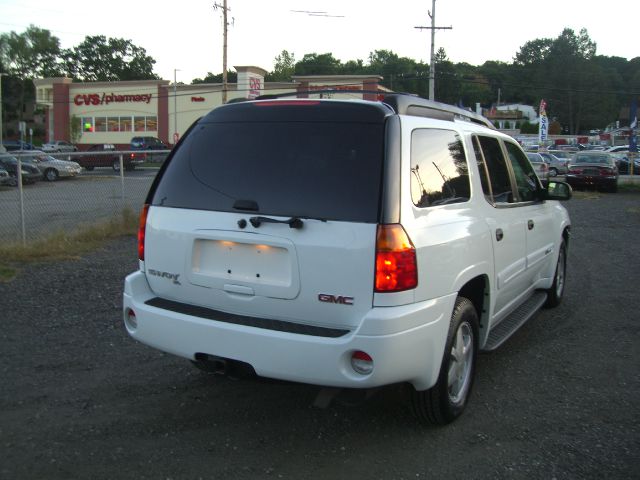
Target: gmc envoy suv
x,y
347,243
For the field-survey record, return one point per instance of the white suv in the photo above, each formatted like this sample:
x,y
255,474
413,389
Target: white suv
x,y
346,244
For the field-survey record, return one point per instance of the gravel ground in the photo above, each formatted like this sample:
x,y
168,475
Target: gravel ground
x,y
80,399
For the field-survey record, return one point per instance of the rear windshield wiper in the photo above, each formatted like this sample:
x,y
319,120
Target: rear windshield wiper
x,y
293,222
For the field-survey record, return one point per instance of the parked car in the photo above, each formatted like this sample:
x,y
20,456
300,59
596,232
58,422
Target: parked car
x,y
556,165
52,168
148,143
593,169
539,166
102,155
58,146
14,145
348,244
30,173
5,178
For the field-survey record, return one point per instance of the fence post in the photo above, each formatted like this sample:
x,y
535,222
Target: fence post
x,y
122,178
21,195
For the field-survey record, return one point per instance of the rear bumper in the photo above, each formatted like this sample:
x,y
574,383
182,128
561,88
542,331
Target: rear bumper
x,y
406,342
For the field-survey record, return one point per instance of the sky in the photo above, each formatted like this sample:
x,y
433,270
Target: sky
x,y
187,35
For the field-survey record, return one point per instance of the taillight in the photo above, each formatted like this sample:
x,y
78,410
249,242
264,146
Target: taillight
x,y
141,230
396,266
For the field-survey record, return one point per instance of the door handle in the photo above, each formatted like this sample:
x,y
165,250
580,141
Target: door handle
x,y
499,234
530,224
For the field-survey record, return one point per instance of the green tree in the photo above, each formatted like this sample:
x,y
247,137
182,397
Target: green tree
x,y
283,69
99,58
232,77
33,53
314,64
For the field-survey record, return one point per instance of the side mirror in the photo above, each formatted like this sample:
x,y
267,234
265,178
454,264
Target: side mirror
x,y
557,191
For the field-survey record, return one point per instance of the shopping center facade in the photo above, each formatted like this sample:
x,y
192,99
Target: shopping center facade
x,y
113,112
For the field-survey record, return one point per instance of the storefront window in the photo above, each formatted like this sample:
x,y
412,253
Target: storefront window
x,y
113,124
87,124
101,124
126,125
139,124
152,124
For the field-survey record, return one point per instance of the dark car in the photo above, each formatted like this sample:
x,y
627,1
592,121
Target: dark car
x,y
14,145
593,169
149,143
103,155
30,173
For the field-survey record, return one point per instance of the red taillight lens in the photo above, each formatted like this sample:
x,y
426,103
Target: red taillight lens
x,y
141,230
396,266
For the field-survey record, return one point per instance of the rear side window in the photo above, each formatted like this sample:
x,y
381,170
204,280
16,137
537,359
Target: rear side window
x,y
439,170
326,170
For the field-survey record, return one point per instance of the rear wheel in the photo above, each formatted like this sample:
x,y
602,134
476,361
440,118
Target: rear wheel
x,y
553,172
446,400
116,165
556,292
51,175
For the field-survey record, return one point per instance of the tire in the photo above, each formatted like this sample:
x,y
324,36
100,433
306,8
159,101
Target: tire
x,y
51,175
446,400
116,165
553,172
556,292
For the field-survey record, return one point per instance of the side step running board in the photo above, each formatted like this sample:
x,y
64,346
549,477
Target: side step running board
x,y
501,332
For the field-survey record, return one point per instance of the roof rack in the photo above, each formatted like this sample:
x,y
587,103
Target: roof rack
x,y
407,104
403,104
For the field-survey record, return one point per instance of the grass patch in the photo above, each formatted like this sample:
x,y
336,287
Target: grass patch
x,y
629,187
65,245
586,195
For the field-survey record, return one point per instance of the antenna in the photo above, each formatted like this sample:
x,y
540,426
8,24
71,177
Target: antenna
x,y
225,24
432,64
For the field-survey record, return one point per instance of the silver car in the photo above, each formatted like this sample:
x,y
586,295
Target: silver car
x,y
5,178
539,166
556,165
59,146
51,168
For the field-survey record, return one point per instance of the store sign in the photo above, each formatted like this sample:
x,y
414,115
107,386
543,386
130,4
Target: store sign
x,y
197,99
106,99
255,85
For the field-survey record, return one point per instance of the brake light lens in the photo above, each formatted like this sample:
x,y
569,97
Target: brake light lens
x,y
396,265
142,226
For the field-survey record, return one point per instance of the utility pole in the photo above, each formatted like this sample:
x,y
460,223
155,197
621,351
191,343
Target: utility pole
x,y
225,24
1,111
432,64
175,107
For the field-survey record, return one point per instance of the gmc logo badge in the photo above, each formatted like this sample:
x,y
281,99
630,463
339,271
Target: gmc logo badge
x,y
339,299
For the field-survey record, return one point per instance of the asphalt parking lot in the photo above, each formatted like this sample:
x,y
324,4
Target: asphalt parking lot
x,y
80,399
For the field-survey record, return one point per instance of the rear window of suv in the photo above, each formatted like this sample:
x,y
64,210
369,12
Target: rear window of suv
x,y
319,169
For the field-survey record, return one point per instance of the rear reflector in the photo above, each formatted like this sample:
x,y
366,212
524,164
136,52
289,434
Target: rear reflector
x,y
396,266
362,363
141,230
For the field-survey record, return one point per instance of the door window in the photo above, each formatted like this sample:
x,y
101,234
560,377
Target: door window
x,y
494,173
526,179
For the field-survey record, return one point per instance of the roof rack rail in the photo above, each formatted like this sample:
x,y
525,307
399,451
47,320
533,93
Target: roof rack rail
x,y
407,104
402,104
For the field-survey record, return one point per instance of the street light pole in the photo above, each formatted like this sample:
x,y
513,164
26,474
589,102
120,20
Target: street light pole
x,y
175,107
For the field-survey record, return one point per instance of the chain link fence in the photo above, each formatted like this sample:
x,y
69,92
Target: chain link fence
x,y
34,211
